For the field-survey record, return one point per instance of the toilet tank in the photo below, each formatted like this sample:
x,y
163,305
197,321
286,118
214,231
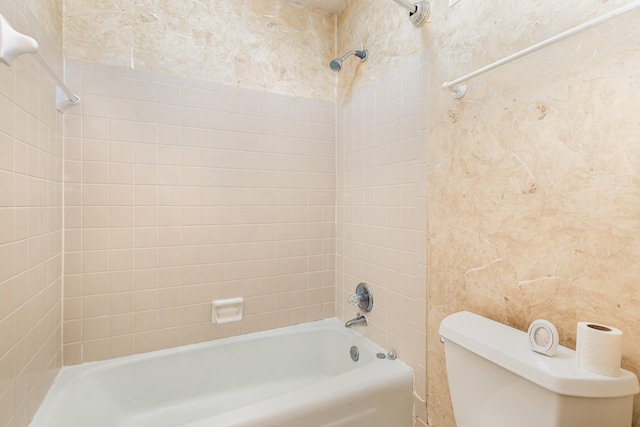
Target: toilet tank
x,y
495,380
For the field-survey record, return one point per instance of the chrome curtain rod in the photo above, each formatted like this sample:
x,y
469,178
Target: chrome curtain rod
x,y
14,44
458,87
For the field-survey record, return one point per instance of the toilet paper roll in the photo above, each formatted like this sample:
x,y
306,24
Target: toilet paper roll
x,y
599,348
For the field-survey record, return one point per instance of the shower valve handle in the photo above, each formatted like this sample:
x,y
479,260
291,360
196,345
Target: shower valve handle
x,y
355,299
363,297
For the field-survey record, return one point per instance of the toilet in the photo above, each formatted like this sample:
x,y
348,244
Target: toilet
x,y
495,380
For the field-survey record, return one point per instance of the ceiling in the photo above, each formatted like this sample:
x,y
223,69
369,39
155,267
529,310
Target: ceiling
x,y
333,6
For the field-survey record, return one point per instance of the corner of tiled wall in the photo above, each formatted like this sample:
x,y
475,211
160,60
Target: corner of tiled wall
x,y
381,208
31,226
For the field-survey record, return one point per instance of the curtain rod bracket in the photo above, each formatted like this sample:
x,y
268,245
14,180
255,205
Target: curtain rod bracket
x,y
459,91
418,12
63,101
421,14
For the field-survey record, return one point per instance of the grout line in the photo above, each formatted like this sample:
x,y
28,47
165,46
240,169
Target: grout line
x,y
63,227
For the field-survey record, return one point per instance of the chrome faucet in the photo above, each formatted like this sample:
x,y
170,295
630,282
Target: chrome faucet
x,y
359,320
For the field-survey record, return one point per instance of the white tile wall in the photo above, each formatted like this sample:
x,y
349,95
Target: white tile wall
x,y
381,212
30,227
180,192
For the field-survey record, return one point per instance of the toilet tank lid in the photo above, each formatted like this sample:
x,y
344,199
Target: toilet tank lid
x,y
509,348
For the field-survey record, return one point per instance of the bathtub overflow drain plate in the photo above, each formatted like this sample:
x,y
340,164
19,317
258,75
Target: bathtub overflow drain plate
x,y
355,353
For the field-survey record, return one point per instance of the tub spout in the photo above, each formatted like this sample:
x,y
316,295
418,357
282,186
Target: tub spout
x,y
359,320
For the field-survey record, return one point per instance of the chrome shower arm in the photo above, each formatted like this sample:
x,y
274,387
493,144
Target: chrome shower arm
x,y
336,63
348,54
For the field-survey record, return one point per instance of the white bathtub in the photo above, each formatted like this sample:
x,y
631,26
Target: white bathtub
x,y
297,376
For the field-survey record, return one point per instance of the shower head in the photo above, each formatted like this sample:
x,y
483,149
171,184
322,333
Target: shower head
x,y
336,63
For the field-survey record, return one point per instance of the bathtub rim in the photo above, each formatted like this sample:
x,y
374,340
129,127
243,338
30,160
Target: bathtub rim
x,y
327,324
70,374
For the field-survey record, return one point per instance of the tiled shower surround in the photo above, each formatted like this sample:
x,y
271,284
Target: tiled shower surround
x,y
30,227
381,212
179,192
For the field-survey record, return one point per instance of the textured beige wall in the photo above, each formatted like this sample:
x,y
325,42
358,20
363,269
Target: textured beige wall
x,y
383,28
49,16
30,226
533,175
273,46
